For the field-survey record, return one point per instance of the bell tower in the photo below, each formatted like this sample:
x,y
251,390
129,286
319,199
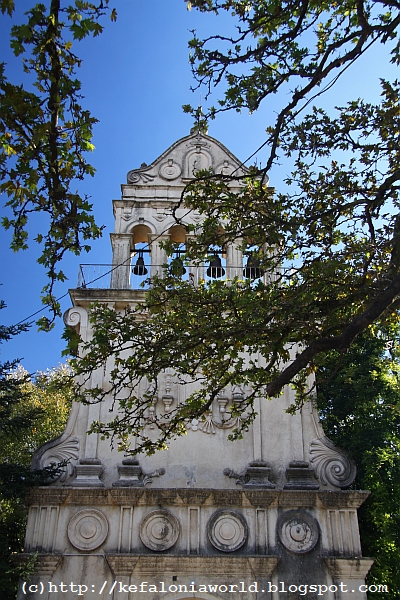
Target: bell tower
x,y
208,518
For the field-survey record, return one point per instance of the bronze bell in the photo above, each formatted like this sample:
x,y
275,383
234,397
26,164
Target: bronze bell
x,y
252,269
177,267
215,270
140,268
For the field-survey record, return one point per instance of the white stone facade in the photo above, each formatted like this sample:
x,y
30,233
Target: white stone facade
x,y
267,509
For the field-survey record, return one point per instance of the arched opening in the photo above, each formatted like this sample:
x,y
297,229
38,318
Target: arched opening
x,y
216,264
177,235
252,263
140,256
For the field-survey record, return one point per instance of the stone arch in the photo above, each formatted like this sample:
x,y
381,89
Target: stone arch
x,y
141,254
140,234
178,234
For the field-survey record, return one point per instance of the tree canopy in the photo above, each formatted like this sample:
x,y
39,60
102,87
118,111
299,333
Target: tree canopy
x,y
32,411
38,410
328,245
360,408
45,134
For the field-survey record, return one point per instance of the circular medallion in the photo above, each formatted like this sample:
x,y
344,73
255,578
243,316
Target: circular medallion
x,y
169,170
298,531
159,530
87,529
227,530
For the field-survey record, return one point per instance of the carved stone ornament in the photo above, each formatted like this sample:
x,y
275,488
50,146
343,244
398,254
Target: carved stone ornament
x,y
169,170
140,176
63,450
219,416
256,475
298,531
131,474
126,213
88,529
227,168
300,477
159,530
227,530
331,465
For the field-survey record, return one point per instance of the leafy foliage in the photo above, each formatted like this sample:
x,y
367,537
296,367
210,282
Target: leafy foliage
x,y
298,47
359,400
45,134
35,412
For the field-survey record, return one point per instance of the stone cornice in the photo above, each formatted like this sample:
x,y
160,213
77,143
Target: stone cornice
x,y
243,566
196,497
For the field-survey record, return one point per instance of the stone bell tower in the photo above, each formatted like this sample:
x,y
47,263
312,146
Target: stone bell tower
x,y
262,517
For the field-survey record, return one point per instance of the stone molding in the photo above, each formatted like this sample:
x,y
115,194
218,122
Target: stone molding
x,y
45,564
186,496
244,566
349,568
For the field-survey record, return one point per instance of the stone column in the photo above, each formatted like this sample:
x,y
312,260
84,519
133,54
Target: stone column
x,y
196,272
158,254
234,259
121,246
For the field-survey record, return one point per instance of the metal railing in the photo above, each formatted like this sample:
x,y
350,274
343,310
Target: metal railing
x,y
103,276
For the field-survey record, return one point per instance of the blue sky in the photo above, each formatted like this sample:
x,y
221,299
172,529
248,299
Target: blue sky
x,y
135,78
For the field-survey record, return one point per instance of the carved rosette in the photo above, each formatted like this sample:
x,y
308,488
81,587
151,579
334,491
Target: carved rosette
x,y
88,529
298,531
159,530
331,465
227,530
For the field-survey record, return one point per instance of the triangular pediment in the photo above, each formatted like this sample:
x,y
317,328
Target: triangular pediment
x,y
178,164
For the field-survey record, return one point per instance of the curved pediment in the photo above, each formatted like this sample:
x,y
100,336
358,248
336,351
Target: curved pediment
x,y
179,164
